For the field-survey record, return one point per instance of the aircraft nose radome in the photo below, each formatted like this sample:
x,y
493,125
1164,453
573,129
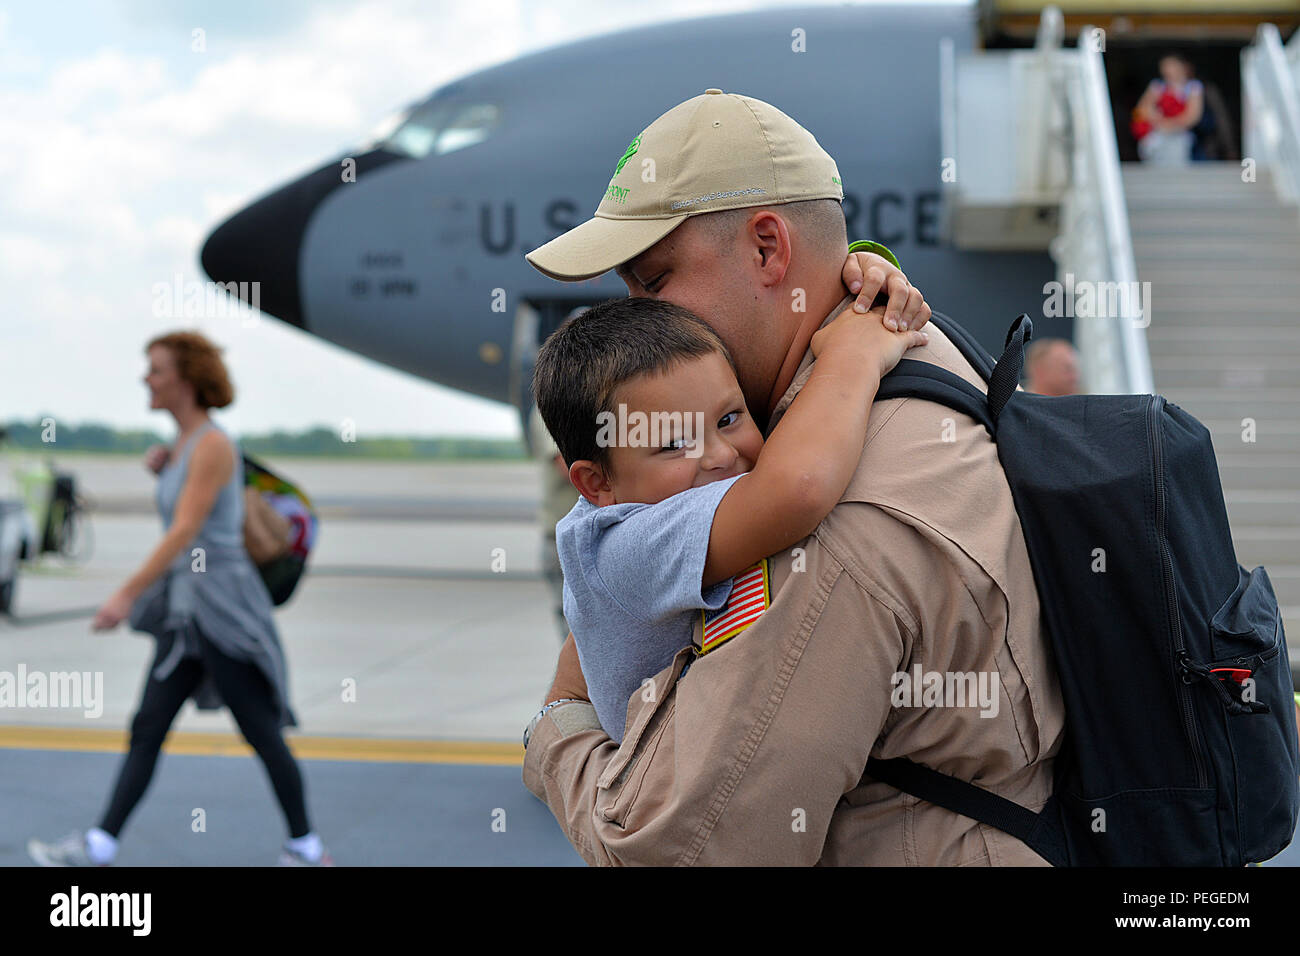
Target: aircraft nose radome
x,y
257,244
263,242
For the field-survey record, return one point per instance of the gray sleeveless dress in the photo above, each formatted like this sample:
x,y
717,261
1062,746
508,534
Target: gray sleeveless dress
x,y
224,595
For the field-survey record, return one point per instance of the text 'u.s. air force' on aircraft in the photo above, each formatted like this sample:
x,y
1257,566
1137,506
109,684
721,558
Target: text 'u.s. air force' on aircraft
x,y
887,216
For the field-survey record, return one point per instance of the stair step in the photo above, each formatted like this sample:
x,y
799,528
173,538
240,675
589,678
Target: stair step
x,y
1213,205
1264,235
1198,231
1236,405
1286,585
1209,271
1229,174
1205,372
1254,358
1267,224
1226,339
1282,424
1239,314
1272,435
1141,203
1262,507
1150,251
1233,186
1164,345
1258,193
1277,471
1266,546
1205,170
1284,399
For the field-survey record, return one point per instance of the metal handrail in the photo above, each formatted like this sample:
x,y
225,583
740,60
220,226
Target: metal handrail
x,y
1271,88
1102,154
1292,47
1039,103
1076,166
1051,29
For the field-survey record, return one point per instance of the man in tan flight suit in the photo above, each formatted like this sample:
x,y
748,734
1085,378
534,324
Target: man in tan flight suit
x,y
920,574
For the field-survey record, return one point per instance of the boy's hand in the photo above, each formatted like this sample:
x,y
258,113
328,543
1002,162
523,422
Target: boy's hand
x,y
868,335
867,274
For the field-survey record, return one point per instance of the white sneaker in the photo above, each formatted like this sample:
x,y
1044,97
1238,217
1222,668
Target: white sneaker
x,y
69,851
291,857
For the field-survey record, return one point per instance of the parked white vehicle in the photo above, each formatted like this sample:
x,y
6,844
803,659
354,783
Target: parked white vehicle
x,y
18,540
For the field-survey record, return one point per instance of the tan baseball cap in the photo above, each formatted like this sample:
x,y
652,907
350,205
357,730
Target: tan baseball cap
x,y
715,151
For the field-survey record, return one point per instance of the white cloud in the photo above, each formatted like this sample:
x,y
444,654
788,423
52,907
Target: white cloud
x,y
15,59
110,74
114,165
115,162
34,258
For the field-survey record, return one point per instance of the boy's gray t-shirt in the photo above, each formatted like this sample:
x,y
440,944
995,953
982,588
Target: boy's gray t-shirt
x,y
632,576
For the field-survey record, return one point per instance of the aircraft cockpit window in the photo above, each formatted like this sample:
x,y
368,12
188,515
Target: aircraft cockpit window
x,y
444,128
384,129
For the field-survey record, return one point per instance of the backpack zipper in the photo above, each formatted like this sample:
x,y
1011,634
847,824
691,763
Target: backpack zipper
x,y
1189,673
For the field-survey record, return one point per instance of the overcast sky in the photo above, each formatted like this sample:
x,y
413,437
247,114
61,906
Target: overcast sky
x,y
121,147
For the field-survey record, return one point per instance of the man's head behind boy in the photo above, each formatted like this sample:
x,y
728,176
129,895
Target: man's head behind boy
x,y
582,366
725,206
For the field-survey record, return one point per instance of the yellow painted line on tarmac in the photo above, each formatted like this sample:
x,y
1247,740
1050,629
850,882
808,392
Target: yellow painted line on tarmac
x,y
374,749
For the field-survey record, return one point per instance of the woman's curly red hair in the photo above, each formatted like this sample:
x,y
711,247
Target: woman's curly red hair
x,y
198,362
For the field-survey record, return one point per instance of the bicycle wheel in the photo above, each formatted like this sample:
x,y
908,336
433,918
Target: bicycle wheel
x,y
75,537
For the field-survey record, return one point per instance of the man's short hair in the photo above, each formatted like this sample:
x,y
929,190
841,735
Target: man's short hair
x,y
1037,351
580,368
820,221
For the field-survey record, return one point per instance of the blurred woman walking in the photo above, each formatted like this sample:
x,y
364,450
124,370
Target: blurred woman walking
x,y
200,596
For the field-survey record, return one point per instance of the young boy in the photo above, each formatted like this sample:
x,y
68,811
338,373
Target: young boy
x,y
669,514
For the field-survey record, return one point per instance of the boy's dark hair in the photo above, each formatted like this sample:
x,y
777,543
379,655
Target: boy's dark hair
x,y
582,364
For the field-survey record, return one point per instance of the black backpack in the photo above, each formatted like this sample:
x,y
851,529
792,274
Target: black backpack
x,y
1180,745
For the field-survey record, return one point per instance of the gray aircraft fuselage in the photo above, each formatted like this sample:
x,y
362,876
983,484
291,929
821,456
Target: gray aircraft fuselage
x,y
419,262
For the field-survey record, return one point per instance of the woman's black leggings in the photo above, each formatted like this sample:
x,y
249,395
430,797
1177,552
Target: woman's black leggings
x,y
251,699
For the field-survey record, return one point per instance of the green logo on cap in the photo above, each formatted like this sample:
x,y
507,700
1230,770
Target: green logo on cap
x,y
627,154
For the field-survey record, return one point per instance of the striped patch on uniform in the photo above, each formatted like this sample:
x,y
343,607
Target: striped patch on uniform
x,y
750,596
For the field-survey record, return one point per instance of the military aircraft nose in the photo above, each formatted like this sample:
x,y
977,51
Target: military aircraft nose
x,y
262,243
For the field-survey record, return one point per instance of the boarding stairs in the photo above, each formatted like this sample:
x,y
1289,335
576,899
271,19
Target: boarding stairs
x,y
1221,250
1032,137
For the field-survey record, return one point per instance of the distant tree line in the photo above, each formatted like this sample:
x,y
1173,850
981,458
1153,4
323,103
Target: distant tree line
x,y
322,442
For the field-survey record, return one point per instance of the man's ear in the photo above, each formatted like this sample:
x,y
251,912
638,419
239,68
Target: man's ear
x,y
592,483
768,236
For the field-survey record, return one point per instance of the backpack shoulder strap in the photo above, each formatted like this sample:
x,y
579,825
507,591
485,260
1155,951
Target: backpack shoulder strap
x,y
970,801
913,379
